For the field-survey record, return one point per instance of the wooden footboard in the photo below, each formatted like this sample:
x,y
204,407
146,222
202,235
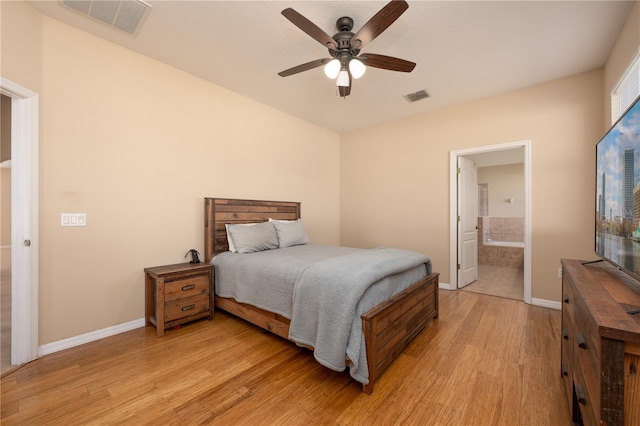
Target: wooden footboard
x,y
392,325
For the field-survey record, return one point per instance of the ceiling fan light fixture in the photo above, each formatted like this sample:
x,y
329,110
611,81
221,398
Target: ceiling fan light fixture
x,y
357,68
344,46
343,78
332,68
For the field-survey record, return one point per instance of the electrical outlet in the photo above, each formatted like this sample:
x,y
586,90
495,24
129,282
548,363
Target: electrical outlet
x,y
560,272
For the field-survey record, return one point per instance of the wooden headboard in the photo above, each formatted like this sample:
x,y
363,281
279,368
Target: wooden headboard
x,y
220,211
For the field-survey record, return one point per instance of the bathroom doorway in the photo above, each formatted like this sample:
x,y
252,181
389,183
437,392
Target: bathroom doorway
x,y
503,220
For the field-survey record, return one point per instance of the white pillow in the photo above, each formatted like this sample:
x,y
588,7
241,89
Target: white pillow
x,y
290,232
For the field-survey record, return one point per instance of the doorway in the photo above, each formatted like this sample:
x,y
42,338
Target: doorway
x,y
24,195
489,278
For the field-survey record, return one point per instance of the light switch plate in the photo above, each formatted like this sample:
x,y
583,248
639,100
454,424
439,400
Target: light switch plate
x,y
73,219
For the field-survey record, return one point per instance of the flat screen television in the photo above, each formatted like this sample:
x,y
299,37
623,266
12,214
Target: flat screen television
x,y
617,236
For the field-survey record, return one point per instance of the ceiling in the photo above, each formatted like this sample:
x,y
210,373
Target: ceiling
x,y
464,50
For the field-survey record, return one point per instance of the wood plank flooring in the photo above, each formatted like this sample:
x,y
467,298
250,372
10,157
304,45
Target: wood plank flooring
x,y
486,361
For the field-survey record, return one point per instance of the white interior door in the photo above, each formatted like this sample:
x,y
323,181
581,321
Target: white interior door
x,y
24,221
467,222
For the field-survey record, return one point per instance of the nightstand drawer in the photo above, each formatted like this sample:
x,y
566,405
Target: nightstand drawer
x,y
186,287
186,307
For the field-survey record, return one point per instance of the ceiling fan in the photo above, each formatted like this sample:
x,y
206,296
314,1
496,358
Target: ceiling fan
x,y
346,61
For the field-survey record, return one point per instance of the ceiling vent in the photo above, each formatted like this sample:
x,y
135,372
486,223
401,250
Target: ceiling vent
x,y
125,15
412,97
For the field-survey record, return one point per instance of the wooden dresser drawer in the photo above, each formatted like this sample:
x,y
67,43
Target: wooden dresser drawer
x,y
586,350
566,363
632,385
568,298
186,287
567,337
588,404
186,307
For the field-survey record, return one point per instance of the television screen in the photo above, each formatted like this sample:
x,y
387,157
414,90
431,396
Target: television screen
x,y
618,193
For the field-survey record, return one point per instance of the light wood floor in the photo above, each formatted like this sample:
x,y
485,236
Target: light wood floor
x,y
486,361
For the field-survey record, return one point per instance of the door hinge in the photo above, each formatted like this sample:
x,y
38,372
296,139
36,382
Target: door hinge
x,y
458,218
458,266
458,170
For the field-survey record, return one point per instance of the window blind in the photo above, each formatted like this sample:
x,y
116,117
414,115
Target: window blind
x,y
627,90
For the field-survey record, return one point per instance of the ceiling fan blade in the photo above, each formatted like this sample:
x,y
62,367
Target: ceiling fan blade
x,y
310,28
304,67
380,22
386,62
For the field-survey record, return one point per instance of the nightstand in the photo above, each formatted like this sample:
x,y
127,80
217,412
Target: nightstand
x,y
176,294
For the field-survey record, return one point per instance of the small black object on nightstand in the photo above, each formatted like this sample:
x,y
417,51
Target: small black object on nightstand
x,y
194,256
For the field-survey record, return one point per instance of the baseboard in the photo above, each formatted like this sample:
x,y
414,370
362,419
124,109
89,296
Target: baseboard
x,y
445,286
81,339
547,303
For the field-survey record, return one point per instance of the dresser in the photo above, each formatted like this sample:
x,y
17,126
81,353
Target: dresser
x,y
600,349
176,294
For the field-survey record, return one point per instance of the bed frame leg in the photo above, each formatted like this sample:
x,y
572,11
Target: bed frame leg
x,y
368,388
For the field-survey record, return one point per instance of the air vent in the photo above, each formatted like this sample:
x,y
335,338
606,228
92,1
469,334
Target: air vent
x,y
125,15
412,97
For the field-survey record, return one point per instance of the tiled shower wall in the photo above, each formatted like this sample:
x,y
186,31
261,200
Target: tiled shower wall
x,y
501,229
505,228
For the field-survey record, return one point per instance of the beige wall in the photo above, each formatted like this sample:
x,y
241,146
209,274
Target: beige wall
x,y
137,145
395,177
21,44
505,183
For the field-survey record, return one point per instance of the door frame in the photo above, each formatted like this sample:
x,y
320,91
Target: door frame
x,y
25,144
453,208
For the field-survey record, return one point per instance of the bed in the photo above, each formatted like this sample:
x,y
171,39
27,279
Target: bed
x,y
387,328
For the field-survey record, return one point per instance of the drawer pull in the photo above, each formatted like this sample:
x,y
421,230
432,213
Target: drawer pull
x,y
582,343
565,334
565,370
188,287
565,299
582,398
188,307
